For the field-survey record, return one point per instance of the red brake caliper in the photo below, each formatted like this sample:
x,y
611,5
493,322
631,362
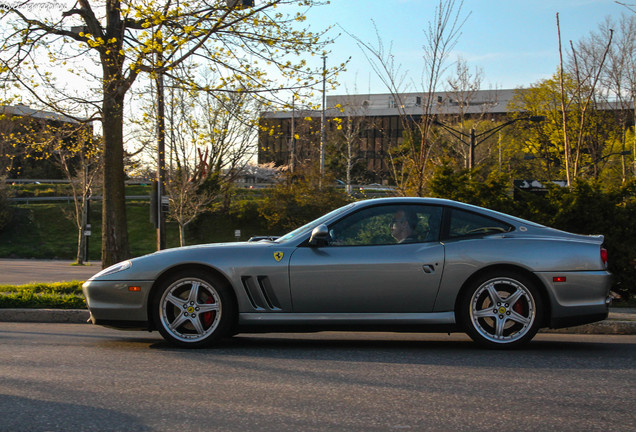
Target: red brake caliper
x,y
518,308
208,317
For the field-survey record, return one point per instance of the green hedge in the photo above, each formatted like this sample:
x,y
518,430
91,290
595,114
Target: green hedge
x,y
585,208
39,230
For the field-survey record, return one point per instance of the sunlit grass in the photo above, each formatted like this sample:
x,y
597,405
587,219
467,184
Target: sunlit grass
x,y
60,295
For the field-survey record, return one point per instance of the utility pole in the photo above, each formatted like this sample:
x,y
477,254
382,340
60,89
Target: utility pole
x,y
292,141
322,119
161,153
471,150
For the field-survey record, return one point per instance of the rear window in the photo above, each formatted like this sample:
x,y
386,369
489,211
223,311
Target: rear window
x,y
463,223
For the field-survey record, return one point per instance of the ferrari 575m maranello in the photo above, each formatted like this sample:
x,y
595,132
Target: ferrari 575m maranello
x,y
392,264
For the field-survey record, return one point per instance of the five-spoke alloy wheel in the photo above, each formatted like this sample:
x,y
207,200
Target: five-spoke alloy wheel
x,y
501,310
193,309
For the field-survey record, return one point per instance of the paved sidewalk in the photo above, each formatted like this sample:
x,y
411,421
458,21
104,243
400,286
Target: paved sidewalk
x,y
24,271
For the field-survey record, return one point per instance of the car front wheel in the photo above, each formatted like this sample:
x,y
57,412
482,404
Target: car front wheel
x,y
193,309
501,310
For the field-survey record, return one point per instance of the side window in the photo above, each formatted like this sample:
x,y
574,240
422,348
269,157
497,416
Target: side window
x,y
463,223
386,225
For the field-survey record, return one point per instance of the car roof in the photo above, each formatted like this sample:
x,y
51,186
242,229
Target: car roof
x,y
449,203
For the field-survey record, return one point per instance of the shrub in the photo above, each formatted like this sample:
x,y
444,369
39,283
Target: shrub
x,y
292,204
585,208
490,190
5,208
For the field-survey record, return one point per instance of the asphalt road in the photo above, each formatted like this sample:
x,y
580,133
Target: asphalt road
x,y
78,377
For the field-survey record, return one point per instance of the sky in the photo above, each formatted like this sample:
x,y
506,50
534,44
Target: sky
x,y
513,42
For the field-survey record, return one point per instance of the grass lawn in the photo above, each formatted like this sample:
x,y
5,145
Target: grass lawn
x,y
47,231
62,295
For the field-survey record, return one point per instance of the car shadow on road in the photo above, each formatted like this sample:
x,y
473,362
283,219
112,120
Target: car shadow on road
x,y
455,350
20,413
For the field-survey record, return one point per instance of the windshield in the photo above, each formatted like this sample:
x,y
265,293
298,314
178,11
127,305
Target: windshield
x,y
313,224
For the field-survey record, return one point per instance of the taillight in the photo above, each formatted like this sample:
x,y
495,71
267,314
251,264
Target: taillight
x,y
604,256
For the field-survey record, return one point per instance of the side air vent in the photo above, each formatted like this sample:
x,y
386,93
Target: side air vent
x,y
260,293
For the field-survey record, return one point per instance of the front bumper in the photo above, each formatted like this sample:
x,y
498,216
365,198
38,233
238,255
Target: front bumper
x,y
110,302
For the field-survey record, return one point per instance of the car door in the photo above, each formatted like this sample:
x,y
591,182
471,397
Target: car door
x,y
365,269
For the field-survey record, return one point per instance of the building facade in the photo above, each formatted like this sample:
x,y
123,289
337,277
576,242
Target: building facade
x,y
376,121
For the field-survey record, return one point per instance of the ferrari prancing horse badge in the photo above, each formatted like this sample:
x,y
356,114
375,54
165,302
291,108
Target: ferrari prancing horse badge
x,y
278,256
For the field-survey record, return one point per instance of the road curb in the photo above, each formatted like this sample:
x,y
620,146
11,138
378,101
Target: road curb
x,y
70,316
80,316
607,327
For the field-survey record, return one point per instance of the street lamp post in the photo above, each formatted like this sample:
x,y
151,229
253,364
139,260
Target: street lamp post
x,y
474,139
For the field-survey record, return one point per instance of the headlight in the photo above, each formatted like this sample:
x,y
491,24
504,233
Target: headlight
x,y
113,269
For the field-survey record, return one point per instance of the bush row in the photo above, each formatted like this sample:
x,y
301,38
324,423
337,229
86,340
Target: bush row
x,y
584,208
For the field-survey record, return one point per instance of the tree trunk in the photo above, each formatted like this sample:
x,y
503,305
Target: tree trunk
x,y
80,247
182,241
114,228
81,227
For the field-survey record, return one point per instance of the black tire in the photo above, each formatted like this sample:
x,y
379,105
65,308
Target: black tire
x,y
193,309
501,310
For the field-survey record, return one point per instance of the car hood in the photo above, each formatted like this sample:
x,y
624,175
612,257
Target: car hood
x,y
148,267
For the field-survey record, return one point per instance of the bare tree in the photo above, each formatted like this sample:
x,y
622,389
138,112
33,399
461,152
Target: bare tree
x,y
619,78
188,198
410,160
587,76
82,179
463,86
566,138
631,7
230,132
350,125
71,146
209,139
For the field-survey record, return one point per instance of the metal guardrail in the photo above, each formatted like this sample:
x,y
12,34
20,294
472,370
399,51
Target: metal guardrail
x,y
62,181
69,199
368,190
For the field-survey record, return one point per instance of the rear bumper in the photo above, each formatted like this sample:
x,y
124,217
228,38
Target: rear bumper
x,y
581,299
576,320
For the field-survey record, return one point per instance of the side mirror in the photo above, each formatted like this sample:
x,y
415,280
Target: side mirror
x,y
319,236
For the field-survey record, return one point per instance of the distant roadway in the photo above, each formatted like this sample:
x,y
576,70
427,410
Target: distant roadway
x,y
24,271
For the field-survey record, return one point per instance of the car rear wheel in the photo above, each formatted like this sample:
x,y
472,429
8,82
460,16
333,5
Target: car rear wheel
x,y
193,309
502,310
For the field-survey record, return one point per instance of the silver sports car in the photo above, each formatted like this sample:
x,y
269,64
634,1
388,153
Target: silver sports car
x,y
393,264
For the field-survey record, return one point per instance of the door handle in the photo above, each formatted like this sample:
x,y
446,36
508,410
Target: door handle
x,y
428,268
